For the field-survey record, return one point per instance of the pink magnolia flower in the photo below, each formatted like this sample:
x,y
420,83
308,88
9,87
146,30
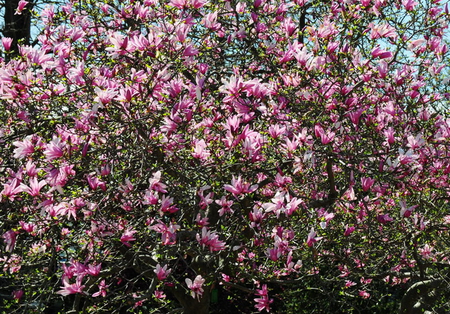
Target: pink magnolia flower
x,y
406,157
184,4
416,43
162,272
384,218
156,184
201,221
367,183
225,277
325,137
95,183
415,142
197,4
94,270
159,294
68,288
237,187
349,283
207,199
35,187
200,150
364,294
24,148
17,294
28,227
7,42
232,123
210,21
11,190
20,7
292,205
406,211
58,177
168,233
232,88
166,205
104,96
190,51
383,30
390,135
426,251
225,206
180,4
10,240
31,169
150,198
312,238
409,4
54,149
348,230
327,29
211,240
127,236
377,52
382,68
196,286
74,269
273,253
263,302
101,289
119,45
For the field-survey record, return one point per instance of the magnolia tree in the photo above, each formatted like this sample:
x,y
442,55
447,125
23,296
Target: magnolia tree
x,y
155,153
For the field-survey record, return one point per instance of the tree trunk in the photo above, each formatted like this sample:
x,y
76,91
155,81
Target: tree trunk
x,y
419,297
17,26
191,305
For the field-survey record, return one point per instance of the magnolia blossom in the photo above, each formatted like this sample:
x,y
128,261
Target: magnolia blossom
x,y
24,148
367,183
200,150
196,286
156,184
10,240
263,302
17,294
377,52
162,272
7,42
406,211
238,187
127,236
222,126
101,289
364,294
11,190
211,240
348,230
68,288
159,294
35,187
325,137
312,238
54,149
409,4
168,233
384,218
20,7
181,4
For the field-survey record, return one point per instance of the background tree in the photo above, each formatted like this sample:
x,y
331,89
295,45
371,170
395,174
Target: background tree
x,y
162,152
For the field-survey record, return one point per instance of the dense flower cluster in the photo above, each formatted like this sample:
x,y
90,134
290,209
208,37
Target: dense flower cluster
x,y
264,141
